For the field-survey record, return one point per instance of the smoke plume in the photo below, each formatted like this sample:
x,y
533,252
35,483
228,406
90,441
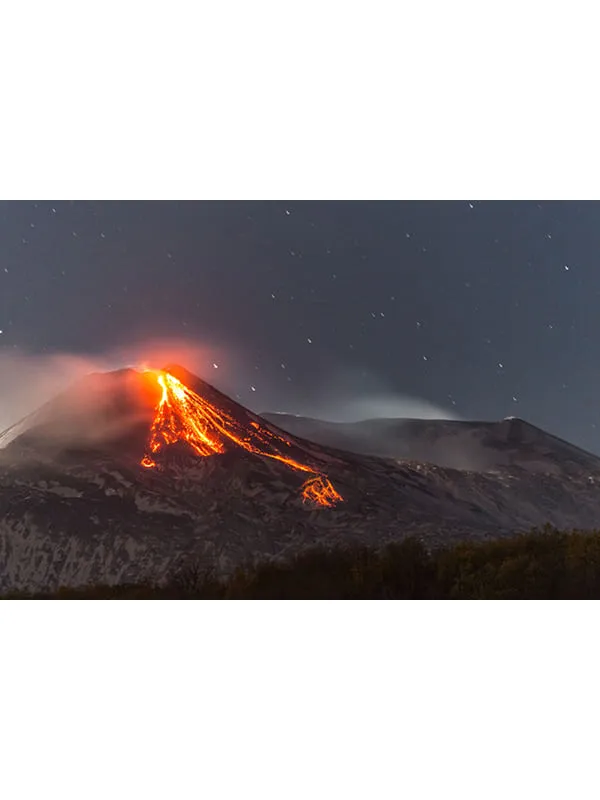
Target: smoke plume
x,y
351,395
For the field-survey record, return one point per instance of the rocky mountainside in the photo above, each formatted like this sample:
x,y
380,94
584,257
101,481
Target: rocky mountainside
x,y
480,446
125,478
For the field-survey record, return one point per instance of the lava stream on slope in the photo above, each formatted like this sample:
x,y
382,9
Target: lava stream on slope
x,y
183,415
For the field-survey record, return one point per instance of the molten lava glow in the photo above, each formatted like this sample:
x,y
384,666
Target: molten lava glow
x,y
183,415
319,489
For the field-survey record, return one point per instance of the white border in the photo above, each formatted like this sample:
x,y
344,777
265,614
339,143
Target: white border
x,y
322,100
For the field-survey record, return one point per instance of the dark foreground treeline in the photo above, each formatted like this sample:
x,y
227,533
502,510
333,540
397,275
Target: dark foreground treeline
x,y
544,564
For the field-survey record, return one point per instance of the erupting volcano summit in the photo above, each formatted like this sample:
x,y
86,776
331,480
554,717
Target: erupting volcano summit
x,y
142,414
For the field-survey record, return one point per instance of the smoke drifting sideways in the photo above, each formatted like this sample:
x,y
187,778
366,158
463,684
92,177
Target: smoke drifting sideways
x,y
28,381
353,395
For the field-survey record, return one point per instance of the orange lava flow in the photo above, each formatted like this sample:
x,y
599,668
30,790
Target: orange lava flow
x,y
320,490
183,415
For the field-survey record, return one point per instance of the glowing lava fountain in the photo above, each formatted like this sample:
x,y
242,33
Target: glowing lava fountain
x,y
183,415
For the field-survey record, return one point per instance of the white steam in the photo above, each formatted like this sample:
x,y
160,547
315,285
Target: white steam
x,y
380,406
350,395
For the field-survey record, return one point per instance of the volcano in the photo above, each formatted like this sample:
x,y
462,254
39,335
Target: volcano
x,y
128,475
154,410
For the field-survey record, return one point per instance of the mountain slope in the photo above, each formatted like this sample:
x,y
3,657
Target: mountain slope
x,y
481,446
77,505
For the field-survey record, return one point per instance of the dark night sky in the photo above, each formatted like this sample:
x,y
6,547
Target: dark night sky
x,y
484,309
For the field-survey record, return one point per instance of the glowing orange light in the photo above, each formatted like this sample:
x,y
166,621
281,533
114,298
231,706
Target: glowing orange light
x,y
319,489
183,415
